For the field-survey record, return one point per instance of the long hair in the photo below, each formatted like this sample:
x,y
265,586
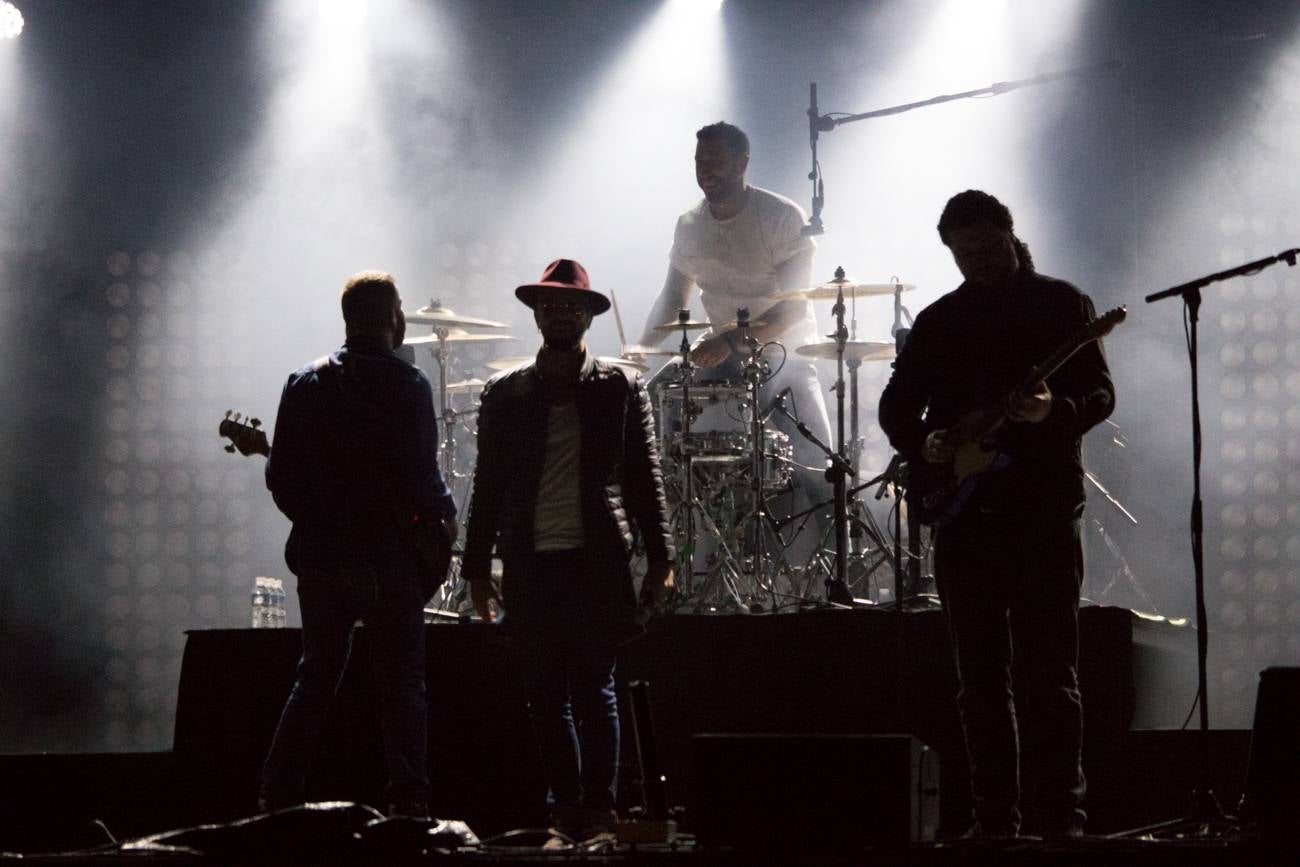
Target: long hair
x,y
977,206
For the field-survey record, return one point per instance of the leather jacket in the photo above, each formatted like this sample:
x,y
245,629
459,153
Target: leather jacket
x,y
621,480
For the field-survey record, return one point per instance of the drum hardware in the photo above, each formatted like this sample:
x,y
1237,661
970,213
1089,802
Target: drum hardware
x,y
689,510
766,558
448,329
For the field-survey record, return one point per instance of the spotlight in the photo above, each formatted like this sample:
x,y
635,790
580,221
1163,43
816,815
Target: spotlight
x,y
11,20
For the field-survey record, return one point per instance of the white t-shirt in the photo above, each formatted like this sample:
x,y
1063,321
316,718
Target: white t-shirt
x,y
557,519
734,261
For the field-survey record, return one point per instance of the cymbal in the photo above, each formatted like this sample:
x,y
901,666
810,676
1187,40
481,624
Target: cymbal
x,y
648,351
465,386
454,335
689,325
625,363
511,361
439,315
851,290
854,350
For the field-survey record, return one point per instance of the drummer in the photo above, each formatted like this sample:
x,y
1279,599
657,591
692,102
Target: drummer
x,y
741,245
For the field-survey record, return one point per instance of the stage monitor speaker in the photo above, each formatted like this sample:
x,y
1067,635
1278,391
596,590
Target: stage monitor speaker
x,y
823,792
1273,771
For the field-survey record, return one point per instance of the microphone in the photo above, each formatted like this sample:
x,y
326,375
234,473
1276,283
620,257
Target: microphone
x,y
777,404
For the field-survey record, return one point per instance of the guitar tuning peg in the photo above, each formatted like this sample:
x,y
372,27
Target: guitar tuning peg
x,y
229,413
231,448
238,416
255,422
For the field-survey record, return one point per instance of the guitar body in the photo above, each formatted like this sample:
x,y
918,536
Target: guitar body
x,y
429,536
938,492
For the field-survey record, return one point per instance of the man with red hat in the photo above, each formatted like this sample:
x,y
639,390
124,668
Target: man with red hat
x,y
567,464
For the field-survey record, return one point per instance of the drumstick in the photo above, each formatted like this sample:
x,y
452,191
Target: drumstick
x,y
618,321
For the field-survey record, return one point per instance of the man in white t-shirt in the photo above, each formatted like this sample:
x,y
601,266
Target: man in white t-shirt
x,y
741,245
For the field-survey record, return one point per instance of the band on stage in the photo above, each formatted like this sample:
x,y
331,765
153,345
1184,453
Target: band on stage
x,y
700,470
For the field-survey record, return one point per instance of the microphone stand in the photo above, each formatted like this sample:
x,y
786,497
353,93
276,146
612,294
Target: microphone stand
x,y
837,589
1205,808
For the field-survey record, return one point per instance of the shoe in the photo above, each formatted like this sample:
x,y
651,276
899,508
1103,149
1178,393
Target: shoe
x,y
596,822
1062,830
415,810
979,831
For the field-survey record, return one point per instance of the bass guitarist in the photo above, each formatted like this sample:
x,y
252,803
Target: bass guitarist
x,y
1009,564
355,468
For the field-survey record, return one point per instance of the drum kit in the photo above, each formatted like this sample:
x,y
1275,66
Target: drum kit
x,y
723,460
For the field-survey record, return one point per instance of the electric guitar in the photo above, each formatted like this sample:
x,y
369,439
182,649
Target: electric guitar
x,y
429,536
940,491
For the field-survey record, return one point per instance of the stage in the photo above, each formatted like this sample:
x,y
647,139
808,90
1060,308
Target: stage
x,y
822,674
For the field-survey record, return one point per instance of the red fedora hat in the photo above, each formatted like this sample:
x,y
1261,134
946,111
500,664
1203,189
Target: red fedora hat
x,y
568,275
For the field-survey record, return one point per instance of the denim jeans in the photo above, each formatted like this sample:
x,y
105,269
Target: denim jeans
x,y
1010,585
566,657
387,597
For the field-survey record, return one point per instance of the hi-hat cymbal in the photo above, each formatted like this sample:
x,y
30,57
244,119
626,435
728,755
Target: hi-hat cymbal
x,y
507,363
851,290
689,325
454,335
854,350
439,315
648,351
465,386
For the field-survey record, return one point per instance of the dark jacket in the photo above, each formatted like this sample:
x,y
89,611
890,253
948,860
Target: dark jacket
x,y
621,483
355,453
967,351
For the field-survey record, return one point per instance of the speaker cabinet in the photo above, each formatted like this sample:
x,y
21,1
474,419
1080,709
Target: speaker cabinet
x,y
824,792
1273,772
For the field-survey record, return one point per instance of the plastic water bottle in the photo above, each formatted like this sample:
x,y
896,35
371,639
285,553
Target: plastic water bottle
x,y
279,616
262,616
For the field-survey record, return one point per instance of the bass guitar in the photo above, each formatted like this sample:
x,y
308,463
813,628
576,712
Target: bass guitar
x,y
427,535
940,491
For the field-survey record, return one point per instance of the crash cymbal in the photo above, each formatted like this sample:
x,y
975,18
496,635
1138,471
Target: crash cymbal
x,y
436,315
648,351
465,386
689,325
851,290
854,350
625,363
454,335
507,363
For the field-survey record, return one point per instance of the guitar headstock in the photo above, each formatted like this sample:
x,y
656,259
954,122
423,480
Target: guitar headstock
x,y
1106,322
246,437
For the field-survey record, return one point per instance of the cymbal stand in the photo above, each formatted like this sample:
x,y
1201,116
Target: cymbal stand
x,y
764,555
837,589
451,596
